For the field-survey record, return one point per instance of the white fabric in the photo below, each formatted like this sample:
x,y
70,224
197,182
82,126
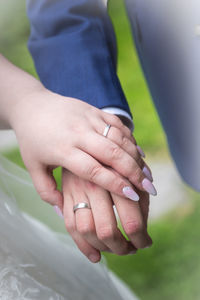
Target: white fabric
x,y
105,2
36,263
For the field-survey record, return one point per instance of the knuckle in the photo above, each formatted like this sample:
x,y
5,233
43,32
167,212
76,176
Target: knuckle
x,y
91,110
116,121
93,172
44,195
116,153
86,229
69,227
106,233
133,227
118,184
124,142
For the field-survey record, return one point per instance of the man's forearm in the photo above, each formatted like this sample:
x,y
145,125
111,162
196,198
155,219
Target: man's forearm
x,y
73,46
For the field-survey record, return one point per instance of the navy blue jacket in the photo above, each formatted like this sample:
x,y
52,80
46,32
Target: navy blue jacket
x,y
73,46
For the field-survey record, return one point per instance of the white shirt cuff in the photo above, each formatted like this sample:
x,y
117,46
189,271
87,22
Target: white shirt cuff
x,y
120,112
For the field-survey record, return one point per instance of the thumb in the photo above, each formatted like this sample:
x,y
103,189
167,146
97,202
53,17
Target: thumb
x,y
46,186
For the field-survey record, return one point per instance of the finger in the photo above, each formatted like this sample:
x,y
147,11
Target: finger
x,y
141,151
105,221
147,172
86,167
112,155
132,221
85,222
124,141
90,252
129,145
116,122
46,187
116,136
144,206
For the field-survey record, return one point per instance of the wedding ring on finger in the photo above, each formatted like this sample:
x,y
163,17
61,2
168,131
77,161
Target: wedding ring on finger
x,y
106,130
81,205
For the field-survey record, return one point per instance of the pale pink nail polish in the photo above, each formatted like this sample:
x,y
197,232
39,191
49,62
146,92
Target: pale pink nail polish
x,y
149,187
58,211
130,193
141,151
147,173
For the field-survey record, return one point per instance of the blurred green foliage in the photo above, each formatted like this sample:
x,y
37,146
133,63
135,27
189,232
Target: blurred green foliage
x,y
13,44
170,269
14,34
148,131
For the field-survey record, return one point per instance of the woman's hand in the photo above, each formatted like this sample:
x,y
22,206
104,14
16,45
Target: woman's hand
x,y
53,130
95,230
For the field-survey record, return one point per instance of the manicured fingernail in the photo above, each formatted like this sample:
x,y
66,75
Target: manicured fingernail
x,y
130,193
147,173
141,151
93,258
149,187
58,211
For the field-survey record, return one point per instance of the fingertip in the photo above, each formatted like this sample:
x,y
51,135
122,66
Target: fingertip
x,y
95,257
130,194
149,187
56,199
147,173
148,243
58,211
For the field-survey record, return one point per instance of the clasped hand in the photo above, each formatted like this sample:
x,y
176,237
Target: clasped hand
x,y
58,131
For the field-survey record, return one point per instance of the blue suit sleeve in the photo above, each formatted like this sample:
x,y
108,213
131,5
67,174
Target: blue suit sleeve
x,y
72,43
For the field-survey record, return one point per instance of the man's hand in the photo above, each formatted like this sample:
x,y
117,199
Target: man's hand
x,y
96,229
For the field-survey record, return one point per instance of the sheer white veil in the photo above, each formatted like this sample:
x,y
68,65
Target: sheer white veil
x,y
35,262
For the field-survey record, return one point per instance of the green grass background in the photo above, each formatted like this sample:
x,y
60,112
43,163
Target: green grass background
x,y
171,268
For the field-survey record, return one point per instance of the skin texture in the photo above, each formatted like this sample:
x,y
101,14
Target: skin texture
x,y
53,131
95,230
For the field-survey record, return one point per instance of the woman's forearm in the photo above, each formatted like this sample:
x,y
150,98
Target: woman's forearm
x,y
53,130
15,85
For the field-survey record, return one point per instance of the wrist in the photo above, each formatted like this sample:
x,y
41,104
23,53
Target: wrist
x,y
22,104
16,85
